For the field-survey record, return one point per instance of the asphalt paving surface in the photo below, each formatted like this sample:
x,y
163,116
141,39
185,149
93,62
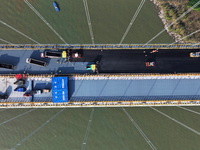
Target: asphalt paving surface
x,y
134,61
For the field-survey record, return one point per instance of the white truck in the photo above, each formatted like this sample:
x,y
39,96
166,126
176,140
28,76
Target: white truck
x,y
36,62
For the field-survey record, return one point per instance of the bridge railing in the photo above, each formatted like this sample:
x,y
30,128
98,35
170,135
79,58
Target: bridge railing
x,y
98,46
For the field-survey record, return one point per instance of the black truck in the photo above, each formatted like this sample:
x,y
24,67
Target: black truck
x,y
51,54
4,96
6,66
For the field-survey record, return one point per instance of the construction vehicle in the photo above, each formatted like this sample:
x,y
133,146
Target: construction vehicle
x,y
76,55
154,51
91,67
195,54
4,96
36,62
6,66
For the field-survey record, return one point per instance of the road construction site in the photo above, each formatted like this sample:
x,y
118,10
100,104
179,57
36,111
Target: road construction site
x,y
122,59
84,76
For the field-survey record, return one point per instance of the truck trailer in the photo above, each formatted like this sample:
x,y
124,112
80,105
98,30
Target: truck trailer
x,y
48,54
36,62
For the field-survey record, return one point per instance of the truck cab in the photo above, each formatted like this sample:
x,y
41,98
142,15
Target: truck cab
x,y
91,67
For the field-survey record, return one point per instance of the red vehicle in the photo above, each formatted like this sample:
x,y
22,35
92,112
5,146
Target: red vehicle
x,y
20,76
27,95
76,55
154,51
150,64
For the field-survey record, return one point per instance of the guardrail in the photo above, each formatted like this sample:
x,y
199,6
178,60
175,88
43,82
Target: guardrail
x,y
108,75
101,104
136,75
97,46
27,75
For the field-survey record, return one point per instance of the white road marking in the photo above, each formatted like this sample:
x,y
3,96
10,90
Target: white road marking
x,y
38,14
174,22
16,117
5,41
87,130
198,133
132,20
88,20
18,31
140,130
198,113
36,130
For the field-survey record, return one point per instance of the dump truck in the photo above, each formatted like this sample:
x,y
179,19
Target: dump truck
x,y
48,54
93,67
195,54
36,62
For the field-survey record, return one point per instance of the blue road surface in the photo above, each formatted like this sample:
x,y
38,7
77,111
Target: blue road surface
x,y
116,90
18,59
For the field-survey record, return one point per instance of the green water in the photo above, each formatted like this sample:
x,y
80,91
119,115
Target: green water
x,y
110,129
109,21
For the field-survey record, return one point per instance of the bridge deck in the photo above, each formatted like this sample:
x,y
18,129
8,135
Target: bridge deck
x,y
134,90
126,61
110,61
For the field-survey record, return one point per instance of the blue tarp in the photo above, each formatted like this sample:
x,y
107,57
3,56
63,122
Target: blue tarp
x,y
59,89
